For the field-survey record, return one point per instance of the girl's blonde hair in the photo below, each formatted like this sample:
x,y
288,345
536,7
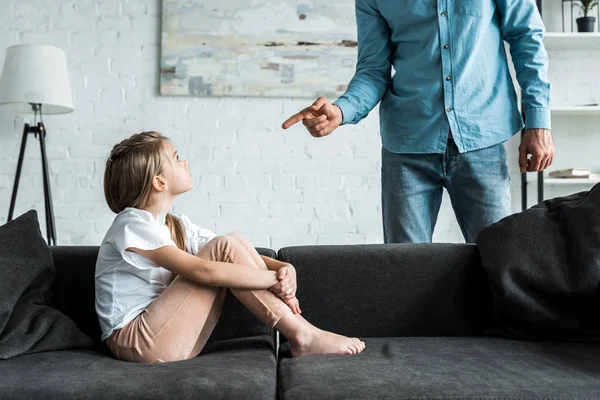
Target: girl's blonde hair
x,y
130,168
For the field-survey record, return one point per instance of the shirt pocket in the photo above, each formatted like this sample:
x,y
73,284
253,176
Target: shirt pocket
x,y
421,6
407,13
474,8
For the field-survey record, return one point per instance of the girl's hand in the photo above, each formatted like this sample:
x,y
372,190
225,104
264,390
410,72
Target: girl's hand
x,y
294,304
286,287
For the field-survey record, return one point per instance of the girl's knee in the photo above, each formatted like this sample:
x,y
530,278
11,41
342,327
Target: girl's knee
x,y
236,236
240,239
222,248
222,244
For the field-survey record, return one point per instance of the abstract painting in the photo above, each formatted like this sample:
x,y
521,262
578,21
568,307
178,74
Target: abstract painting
x,y
267,48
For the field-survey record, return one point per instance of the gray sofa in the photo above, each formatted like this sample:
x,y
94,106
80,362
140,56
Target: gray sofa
x,y
423,311
238,363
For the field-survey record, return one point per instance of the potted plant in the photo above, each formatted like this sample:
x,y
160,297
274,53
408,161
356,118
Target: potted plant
x,y
585,23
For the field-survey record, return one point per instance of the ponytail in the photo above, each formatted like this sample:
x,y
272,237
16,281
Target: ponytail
x,y
176,231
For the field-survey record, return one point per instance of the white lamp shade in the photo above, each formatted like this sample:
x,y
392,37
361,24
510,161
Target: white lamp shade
x,y
36,74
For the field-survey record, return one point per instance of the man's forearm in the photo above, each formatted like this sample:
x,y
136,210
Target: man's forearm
x,y
364,92
373,67
523,30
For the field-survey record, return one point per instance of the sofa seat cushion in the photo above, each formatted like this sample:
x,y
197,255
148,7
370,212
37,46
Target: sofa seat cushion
x,y
447,368
240,368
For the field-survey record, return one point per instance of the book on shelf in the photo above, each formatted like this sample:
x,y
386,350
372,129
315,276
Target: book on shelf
x,y
571,173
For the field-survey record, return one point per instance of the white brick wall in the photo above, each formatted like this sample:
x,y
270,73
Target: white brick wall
x,y
277,187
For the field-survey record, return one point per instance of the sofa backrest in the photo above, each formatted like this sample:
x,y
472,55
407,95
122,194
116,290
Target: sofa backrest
x,y
392,289
73,294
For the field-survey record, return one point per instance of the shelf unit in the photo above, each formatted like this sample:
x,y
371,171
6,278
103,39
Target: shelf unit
x,y
571,41
576,111
570,181
563,41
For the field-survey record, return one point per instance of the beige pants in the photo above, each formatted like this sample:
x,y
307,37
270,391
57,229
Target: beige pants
x,y
176,326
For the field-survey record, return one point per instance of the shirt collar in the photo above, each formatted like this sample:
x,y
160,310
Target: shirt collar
x,y
161,218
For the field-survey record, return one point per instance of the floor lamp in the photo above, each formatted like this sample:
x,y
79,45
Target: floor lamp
x,y
35,79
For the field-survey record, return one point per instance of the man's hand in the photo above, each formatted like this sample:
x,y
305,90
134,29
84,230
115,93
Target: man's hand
x,y
285,289
538,143
321,118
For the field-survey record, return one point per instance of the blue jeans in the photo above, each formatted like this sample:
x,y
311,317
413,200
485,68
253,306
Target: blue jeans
x,y
477,181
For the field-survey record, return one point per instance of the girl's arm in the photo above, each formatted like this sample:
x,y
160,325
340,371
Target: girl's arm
x,y
210,273
286,288
273,264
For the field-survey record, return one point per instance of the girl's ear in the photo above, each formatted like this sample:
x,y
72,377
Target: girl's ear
x,y
158,183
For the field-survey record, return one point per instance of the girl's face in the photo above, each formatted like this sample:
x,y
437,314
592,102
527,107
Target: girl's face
x,y
175,170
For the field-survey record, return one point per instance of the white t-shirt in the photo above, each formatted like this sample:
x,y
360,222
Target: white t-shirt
x,y
126,282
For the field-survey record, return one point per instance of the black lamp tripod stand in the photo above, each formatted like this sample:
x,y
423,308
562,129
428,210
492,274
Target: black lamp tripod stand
x,y
37,129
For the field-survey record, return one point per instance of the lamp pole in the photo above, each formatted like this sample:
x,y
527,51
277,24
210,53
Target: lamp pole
x,y
36,75
38,130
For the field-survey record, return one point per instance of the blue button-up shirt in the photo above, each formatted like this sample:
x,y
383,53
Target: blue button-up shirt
x,y
451,72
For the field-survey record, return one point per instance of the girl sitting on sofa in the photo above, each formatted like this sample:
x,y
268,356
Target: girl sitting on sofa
x,y
161,280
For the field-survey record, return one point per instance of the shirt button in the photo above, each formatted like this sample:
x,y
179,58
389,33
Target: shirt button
x,y
448,109
446,46
448,78
443,14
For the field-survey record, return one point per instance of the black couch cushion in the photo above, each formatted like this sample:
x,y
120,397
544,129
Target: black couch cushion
x,y
73,294
237,369
544,269
28,321
447,368
392,289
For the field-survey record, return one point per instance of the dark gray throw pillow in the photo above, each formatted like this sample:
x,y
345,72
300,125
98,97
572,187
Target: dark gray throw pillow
x,y
28,322
544,269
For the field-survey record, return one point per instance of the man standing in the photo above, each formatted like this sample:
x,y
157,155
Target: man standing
x,y
448,109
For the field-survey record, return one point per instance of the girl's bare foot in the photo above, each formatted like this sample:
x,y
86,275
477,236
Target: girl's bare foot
x,y
317,341
308,339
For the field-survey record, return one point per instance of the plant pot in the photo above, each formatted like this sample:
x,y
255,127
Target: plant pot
x,y
586,24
